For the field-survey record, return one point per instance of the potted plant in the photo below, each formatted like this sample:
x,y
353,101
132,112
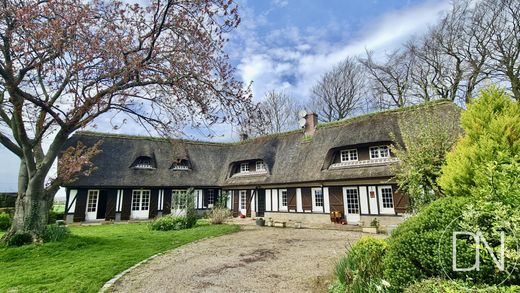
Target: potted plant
x,y
374,227
260,222
270,222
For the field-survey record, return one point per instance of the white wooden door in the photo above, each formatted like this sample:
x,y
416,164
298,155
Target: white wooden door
x,y
351,203
242,202
92,205
386,199
140,208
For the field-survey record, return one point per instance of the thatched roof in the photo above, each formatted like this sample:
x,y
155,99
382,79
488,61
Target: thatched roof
x,y
290,158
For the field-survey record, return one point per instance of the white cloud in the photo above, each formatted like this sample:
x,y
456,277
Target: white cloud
x,y
293,59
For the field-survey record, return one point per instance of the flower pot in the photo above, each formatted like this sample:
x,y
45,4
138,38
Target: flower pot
x,y
260,222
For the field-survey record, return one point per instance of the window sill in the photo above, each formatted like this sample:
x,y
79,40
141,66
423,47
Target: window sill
x,y
252,173
363,163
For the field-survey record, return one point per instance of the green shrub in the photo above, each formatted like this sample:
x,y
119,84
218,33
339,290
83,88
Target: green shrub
x,y
219,215
168,223
412,247
491,140
20,239
55,232
5,221
436,285
361,270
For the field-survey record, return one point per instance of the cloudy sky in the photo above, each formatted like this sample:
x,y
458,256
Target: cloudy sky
x,y
288,44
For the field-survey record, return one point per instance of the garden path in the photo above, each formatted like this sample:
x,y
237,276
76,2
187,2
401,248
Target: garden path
x,y
256,259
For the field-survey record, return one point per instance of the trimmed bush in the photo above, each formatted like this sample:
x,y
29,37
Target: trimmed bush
x,y
219,215
168,223
5,221
361,270
55,232
412,249
449,286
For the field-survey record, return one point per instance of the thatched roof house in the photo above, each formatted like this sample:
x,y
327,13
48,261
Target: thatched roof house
x,y
350,152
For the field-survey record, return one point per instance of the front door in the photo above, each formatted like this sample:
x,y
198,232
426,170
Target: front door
x,y
92,205
242,202
351,202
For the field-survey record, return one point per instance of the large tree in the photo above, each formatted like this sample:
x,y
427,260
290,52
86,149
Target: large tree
x,y
339,92
64,63
280,110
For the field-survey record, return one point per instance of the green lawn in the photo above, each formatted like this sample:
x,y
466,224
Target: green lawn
x,y
90,257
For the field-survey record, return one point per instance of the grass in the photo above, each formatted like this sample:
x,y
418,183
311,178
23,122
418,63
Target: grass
x,y
90,256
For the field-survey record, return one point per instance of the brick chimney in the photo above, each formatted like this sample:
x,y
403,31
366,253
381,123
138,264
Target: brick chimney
x,y
243,136
311,120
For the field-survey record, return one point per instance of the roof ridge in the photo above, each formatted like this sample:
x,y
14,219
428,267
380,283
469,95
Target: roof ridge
x,y
336,123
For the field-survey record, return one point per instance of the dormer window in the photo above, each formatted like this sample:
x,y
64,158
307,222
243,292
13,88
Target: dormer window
x,y
244,167
378,152
260,166
348,155
143,162
182,165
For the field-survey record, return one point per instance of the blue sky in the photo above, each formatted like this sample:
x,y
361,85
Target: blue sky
x,y
287,45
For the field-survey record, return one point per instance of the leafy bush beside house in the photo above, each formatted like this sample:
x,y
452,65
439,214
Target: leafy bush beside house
x,y
427,139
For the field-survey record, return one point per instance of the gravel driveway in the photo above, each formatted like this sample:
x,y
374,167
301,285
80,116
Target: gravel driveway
x,y
256,259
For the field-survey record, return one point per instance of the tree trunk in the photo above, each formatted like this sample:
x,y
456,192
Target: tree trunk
x,y
32,208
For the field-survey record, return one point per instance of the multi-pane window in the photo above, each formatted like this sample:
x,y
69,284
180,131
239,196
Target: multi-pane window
x,y
318,197
244,167
260,166
211,196
92,200
387,197
242,199
351,195
349,155
179,199
379,152
284,198
140,200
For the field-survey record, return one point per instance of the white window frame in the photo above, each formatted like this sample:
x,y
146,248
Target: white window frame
x,y
283,193
260,166
143,208
244,167
316,206
376,152
92,215
348,155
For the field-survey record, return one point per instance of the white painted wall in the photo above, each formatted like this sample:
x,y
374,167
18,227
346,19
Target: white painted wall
x,y
326,200
72,201
268,200
299,206
363,199
372,198
274,194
